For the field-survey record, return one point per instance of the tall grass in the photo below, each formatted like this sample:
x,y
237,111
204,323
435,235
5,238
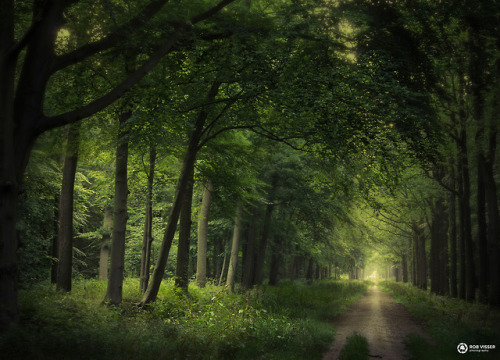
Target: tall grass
x,y
356,348
449,322
286,322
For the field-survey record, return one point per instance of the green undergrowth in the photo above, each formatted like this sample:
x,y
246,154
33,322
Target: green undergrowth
x,y
449,322
290,321
356,348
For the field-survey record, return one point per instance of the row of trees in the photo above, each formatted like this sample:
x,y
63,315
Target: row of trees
x,y
447,227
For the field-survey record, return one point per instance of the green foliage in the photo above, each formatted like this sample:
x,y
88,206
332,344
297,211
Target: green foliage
x,y
449,321
356,348
287,322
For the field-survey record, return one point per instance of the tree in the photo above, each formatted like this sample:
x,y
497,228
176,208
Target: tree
x,y
201,262
22,97
148,224
65,232
235,248
120,215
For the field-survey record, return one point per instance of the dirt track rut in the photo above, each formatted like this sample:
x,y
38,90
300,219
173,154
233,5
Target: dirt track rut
x,y
383,322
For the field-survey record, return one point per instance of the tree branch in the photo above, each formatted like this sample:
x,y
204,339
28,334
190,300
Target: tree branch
x,y
97,105
111,40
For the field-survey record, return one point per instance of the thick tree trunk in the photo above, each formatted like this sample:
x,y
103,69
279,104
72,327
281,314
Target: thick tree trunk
x,y
65,232
235,248
201,259
182,268
147,238
105,243
120,217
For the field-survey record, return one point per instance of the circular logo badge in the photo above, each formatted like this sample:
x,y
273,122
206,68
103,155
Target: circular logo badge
x,y
462,348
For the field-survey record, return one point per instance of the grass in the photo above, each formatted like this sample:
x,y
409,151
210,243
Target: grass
x,y
356,348
290,321
449,322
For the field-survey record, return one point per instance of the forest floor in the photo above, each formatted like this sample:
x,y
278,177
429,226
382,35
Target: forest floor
x,y
383,322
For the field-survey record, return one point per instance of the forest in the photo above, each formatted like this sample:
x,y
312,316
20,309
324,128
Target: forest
x,y
221,179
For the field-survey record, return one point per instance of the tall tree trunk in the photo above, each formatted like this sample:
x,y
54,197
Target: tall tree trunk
x,y
182,268
65,233
477,68
54,251
147,238
235,247
492,194
219,254
249,263
120,217
421,262
223,267
187,167
104,253
201,259
465,216
453,236
261,253
439,247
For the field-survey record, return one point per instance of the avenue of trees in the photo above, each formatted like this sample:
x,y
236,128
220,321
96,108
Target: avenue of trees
x,y
244,142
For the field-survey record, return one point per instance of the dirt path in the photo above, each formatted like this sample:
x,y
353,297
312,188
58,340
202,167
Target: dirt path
x,y
383,322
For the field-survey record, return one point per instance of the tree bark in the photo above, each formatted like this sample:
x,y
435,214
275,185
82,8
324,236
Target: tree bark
x,y
54,251
104,253
201,259
147,239
235,248
65,232
120,217
182,268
